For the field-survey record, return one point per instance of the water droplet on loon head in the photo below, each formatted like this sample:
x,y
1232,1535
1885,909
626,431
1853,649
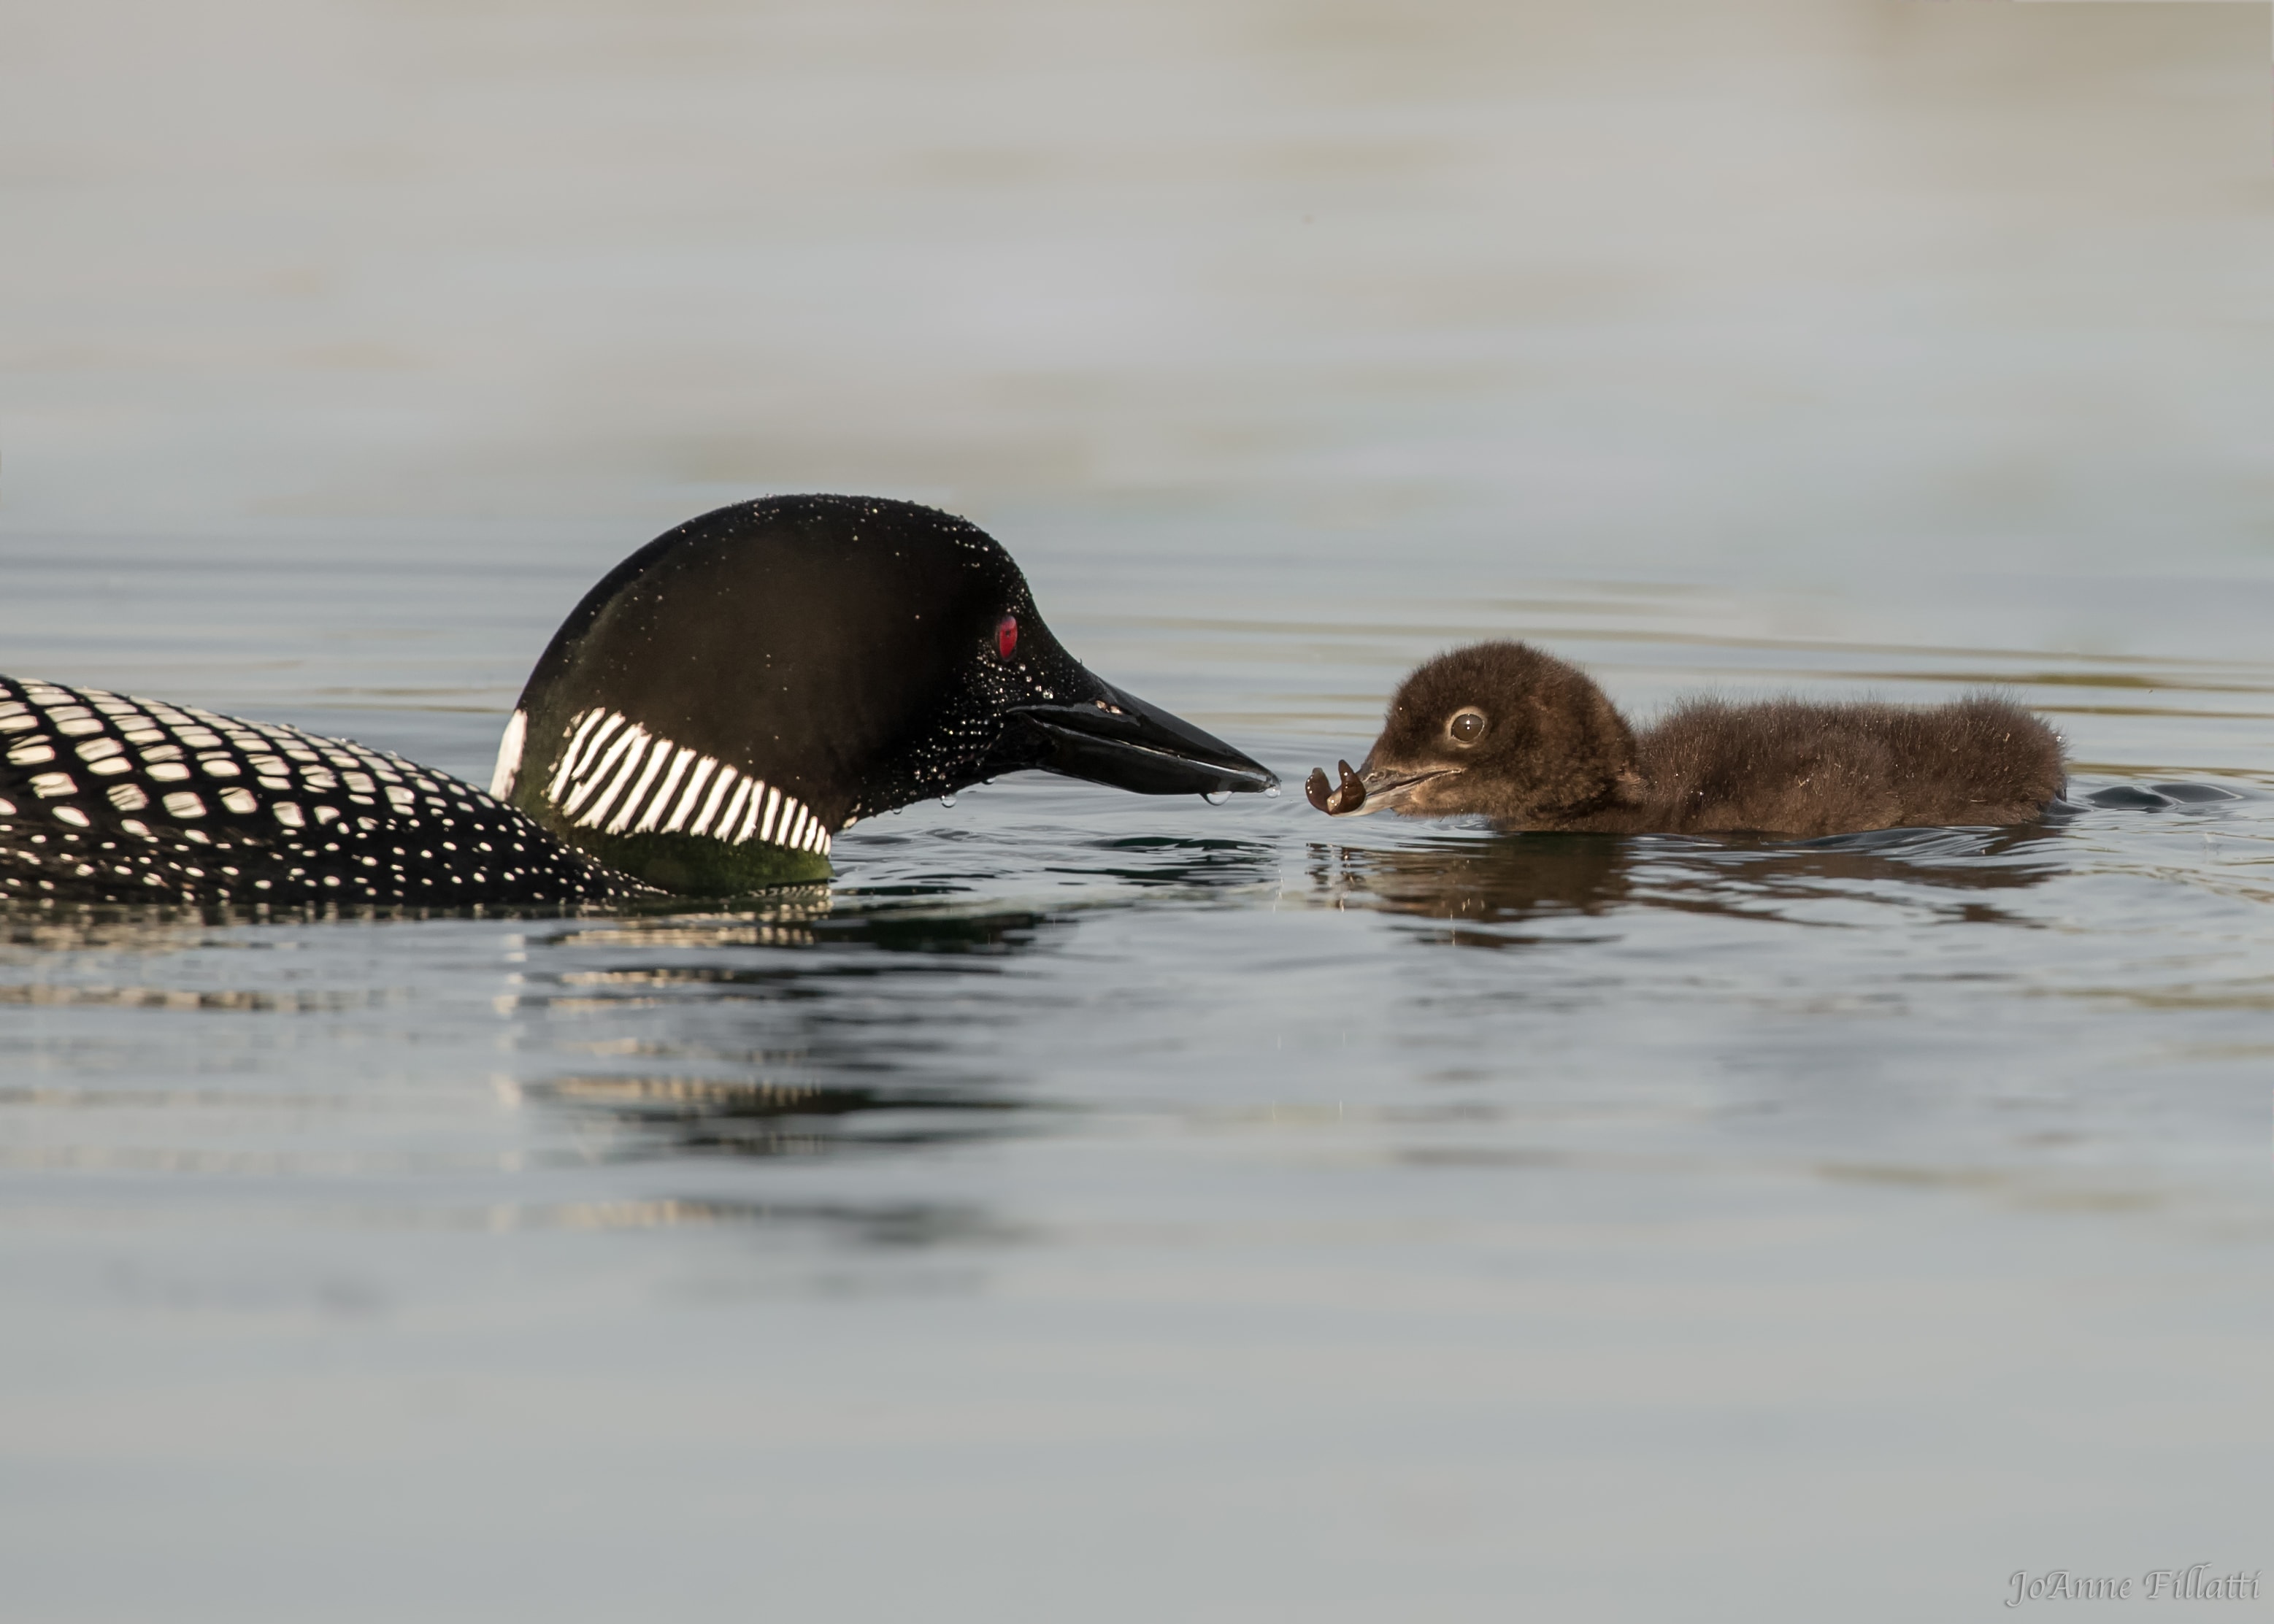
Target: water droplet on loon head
x,y
947,800
1216,797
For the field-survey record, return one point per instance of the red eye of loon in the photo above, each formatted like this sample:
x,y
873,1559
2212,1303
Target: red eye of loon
x,y
1006,636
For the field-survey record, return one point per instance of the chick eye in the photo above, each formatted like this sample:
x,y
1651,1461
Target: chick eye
x,y
1006,636
1467,727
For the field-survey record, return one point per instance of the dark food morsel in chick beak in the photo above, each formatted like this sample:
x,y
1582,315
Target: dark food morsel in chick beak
x,y
1345,797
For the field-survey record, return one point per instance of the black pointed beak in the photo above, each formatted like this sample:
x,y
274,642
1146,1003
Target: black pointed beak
x,y
1110,737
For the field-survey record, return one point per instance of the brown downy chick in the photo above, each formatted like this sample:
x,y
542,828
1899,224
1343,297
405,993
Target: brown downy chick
x,y
1505,731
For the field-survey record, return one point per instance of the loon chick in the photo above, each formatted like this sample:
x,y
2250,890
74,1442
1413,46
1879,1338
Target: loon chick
x,y
729,698
1522,738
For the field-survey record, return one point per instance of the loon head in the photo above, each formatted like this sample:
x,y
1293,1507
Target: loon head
x,y
747,685
1497,728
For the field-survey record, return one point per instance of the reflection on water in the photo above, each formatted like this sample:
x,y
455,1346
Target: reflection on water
x,y
1512,878
683,1116
797,1059
2156,797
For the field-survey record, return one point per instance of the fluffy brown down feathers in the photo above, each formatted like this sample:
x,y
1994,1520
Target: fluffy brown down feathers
x,y
1502,730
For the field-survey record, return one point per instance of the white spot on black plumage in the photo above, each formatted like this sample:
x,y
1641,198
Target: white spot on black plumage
x,y
141,754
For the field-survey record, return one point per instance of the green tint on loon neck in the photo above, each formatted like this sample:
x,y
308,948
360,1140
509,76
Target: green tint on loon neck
x,y
694,865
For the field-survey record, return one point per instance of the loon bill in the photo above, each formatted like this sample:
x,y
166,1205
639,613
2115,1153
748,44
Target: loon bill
x,y
726,701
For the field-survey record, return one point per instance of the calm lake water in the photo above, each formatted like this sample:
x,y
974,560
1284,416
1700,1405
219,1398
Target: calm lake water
x,y
1104,1207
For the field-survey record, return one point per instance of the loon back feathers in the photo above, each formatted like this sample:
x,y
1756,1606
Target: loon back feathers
x,y
107,799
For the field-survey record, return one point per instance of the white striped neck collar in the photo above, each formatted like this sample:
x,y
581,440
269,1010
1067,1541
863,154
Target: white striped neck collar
x,y
617,777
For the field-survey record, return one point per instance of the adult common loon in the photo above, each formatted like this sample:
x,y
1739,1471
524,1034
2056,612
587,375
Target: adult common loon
x,y
727,699
1522,738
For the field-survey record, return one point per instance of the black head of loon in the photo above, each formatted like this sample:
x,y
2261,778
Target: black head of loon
x,y
726,700
745,686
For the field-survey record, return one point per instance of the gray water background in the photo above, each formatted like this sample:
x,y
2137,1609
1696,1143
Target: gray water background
x,y
1095,1207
